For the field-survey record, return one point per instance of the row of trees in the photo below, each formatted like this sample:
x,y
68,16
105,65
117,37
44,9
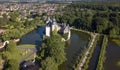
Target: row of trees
x,y
52,53
79,16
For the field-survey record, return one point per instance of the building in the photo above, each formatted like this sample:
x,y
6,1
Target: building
x,y
52,25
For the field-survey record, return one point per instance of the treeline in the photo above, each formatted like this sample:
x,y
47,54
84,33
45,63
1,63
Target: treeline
x,y
102,54
100,20
101,6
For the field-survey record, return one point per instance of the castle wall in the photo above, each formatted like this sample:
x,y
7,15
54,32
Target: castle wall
x,y
53,27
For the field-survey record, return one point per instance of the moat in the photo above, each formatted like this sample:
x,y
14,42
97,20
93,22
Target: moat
x,y
112,57
74,46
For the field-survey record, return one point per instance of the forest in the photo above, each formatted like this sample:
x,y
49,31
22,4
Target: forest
x,y
103,18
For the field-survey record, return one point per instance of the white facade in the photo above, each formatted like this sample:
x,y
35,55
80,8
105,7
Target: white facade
x,y
69,35
53,27
47,31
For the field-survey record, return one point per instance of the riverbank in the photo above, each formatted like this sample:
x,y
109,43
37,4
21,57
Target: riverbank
x,y
82,59
85,56
82,30
102,54
77,44
95,56
86,65
112,57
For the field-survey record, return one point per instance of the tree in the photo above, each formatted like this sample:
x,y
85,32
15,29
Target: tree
x,y
56,48
114,20
14,16
114,31
1,60
3,22
53,54
12,65
6,54
100,24
11,34
12,47
100,28
49,64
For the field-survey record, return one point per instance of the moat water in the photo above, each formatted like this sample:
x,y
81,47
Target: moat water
x,y
112,57
77,43
95,56
34,37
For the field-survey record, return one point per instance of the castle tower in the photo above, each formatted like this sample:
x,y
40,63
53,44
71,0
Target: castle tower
x,y
47,31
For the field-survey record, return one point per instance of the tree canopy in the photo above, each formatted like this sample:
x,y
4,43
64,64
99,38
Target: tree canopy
x,y
54,53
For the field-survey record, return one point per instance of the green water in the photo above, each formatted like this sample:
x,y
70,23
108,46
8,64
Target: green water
x,y
78,41
112,57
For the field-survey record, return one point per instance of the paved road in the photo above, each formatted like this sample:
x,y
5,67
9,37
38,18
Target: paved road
x,y
88,51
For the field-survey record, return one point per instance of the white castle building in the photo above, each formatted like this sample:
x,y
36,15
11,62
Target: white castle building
x,y
52,25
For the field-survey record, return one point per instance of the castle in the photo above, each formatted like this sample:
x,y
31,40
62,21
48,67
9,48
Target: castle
x,y
61,28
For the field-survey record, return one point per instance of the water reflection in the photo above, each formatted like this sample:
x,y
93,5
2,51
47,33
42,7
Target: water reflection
x,y
95,56
33,37
78,41
112,56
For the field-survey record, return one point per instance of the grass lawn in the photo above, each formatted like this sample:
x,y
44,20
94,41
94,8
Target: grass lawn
x,y
18,53
30,58
27,46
